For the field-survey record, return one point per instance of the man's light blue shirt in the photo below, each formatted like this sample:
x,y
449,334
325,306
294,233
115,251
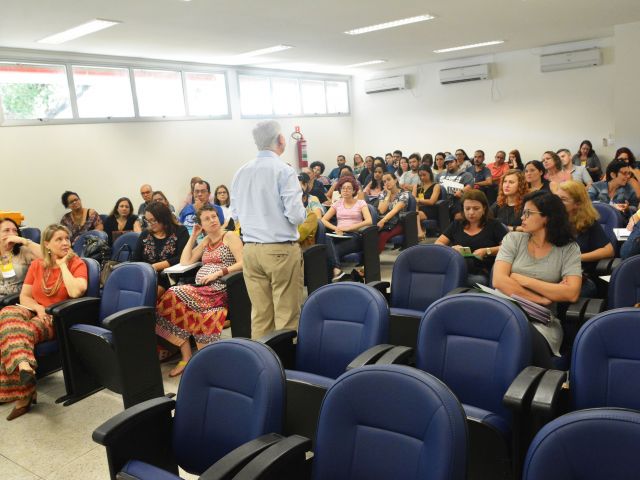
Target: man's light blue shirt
x,y
266,199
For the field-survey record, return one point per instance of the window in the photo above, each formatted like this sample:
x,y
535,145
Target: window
x,y
255,95
337,97
206,94
103,92
159,93
313,98
34,91
285,96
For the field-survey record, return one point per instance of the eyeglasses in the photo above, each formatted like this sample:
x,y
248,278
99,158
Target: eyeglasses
x,y
198,192
74,201
150,221
527,213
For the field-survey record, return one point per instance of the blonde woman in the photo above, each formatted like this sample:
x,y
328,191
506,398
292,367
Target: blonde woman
x,y
57,276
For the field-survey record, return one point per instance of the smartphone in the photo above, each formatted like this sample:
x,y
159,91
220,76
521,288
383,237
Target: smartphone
x,y
466,251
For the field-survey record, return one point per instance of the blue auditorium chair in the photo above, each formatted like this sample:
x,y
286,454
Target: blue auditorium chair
x,y
610,218
438,225
110,342
338,322
594,444
604,371
123,246
479,345
376,423
421,275
369,257
32,233
231,392
624,287
408,220
316,269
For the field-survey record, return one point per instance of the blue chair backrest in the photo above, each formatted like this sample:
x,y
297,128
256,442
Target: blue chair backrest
x,y
477,344
32,233
231,392
119,250
390,422
339,321
610,218
374,214
321,233
411,205
587,445
78,245
624,287
103,217
129,285
93,277
424,273
605,363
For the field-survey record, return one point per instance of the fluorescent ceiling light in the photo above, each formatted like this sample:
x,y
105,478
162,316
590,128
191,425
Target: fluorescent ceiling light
x,y
464,47
395,23
363,64
265,51
79,31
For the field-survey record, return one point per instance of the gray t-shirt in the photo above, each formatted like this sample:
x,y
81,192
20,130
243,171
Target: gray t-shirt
x,y
559,263
409,178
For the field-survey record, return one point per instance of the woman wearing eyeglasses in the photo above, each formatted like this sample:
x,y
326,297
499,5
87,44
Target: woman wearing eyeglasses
x,y
615,190
161,243
79,220
541,264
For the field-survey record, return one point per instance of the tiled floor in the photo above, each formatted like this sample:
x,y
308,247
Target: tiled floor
x,y
54,442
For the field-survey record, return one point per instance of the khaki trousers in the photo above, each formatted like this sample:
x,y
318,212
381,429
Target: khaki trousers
x,y
273,275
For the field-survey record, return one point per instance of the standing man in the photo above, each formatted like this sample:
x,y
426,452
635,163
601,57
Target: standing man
x,y
266,199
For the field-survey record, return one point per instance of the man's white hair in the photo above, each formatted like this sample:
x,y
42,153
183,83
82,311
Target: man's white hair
x,y
265,134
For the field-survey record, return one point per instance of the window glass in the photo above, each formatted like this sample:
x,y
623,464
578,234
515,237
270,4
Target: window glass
x,y
255,95
103,92
32,91
286,96
206,94
159,93
337,97
313,97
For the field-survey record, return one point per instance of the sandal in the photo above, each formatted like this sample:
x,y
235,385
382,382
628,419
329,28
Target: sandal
x,y
179,368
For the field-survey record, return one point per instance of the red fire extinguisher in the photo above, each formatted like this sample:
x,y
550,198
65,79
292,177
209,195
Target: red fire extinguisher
x,y
302,147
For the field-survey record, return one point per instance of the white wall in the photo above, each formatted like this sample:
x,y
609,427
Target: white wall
x,y
105,161
520,108
627,93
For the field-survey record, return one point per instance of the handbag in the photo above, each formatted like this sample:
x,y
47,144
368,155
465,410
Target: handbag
x,y
109,265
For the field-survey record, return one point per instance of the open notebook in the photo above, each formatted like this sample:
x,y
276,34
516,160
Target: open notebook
x,y
533,310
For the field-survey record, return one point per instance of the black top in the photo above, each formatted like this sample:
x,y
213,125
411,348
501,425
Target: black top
x,y
318,191
111,225
507,215
490,236
591,239
150,249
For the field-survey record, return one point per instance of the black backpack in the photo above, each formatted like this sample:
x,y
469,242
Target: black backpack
x,y
96,248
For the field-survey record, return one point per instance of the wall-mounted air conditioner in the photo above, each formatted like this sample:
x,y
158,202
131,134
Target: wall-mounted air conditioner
x,y
377,85
589,57
469,73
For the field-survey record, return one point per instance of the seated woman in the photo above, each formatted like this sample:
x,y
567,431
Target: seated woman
x,y
591,238
515,160
426,193
121,219
615,190
438,165
478,231
200,310
374,187
57,276
318,169
554,172
223,200
351,214
358,164
366,171
79,220
391,202
161,244
16,254
541,264
334,193
508,207
307,229
534,175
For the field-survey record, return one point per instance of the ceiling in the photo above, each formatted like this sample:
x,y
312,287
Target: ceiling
x,y
210,31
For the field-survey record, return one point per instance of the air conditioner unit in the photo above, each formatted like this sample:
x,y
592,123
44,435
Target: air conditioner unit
x,y
568,60
377,85
469,73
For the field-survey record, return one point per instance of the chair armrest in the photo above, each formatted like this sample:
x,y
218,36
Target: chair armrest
x,y
594,307
238,305
520,392
399,355
229,465
281,341
232,279
369,356
9,300
604,266
366,229
382,287
545,403
287,458
120,425
125,319
575,311
76,308
371,258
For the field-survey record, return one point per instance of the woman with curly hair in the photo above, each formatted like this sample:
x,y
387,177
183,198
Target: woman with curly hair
x,y
508,206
